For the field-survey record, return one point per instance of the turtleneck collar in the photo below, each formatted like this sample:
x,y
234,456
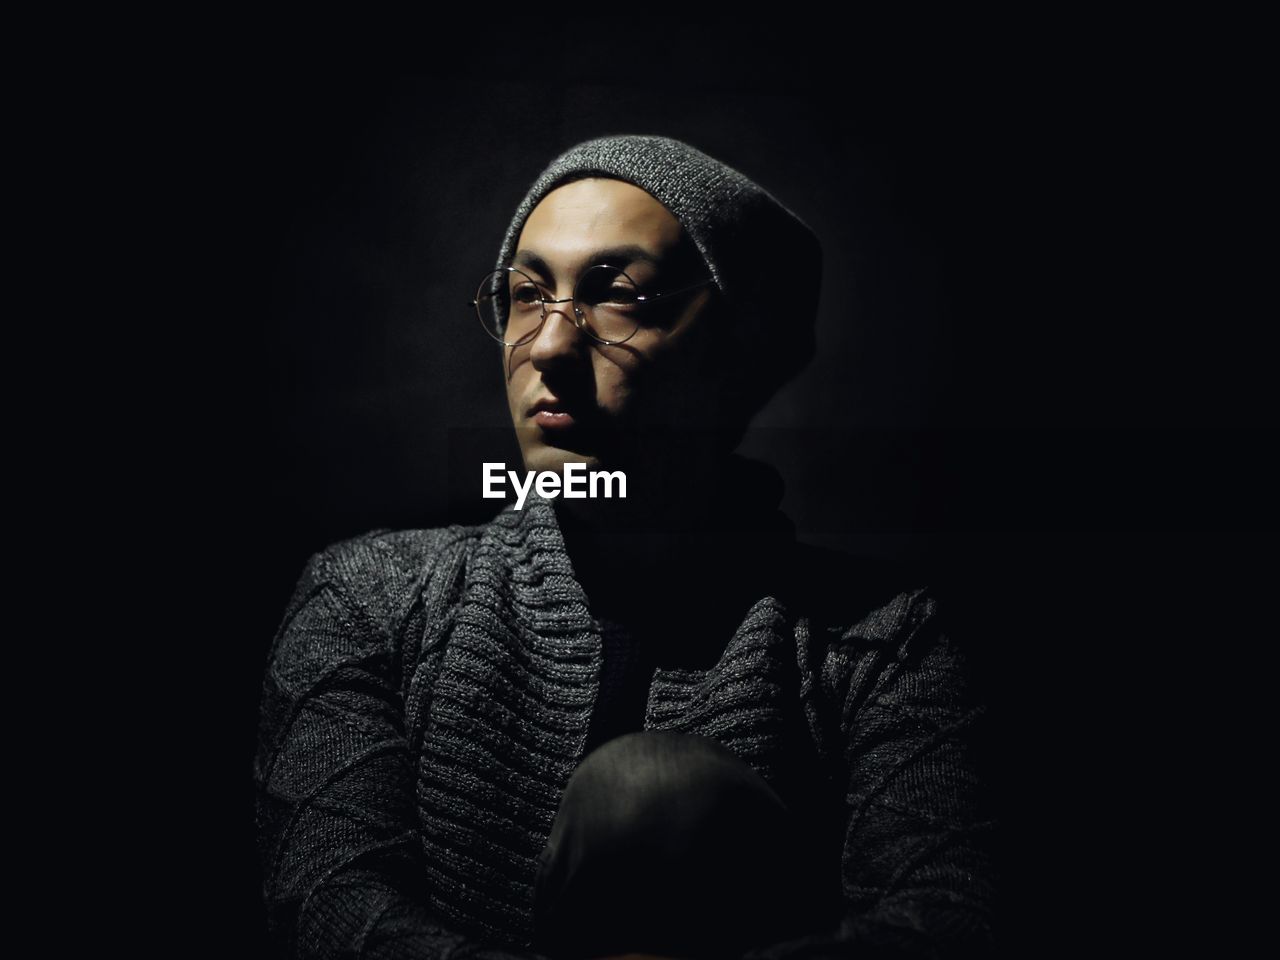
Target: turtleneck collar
x,y
719,560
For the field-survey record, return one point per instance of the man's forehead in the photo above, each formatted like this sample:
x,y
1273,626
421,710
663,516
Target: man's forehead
x,y
600,220
609,211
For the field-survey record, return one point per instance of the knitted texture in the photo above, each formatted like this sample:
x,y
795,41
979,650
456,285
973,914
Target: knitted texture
x,y
430,692
623,686
757,250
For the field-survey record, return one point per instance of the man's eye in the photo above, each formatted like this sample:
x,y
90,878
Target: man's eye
x,y
622,294
526,293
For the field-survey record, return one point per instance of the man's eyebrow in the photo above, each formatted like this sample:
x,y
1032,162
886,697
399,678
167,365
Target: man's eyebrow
x,y
527,258
619,256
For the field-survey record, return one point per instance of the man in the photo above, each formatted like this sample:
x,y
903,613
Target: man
x,y
652,723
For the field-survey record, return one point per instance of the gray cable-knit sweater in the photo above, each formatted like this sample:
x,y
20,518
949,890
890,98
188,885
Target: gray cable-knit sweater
x,y
429,693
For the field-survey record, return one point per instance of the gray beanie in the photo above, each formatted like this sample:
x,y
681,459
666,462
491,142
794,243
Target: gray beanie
x,y
764,259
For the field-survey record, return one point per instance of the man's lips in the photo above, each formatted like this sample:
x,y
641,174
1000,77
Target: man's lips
x,y
553,419
553,415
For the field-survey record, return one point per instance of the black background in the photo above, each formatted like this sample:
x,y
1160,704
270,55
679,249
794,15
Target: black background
x,y
1036,378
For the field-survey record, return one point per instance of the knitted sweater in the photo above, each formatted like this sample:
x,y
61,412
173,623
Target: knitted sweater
x,y
429,693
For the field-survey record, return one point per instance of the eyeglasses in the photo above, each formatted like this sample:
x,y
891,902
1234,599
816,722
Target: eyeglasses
x,y
608,306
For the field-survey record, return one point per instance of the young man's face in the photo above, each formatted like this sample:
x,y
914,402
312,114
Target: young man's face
x,y
599,400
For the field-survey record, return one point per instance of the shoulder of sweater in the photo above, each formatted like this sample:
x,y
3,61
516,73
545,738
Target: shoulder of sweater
x,y
856,602
382,572
878,631
385,552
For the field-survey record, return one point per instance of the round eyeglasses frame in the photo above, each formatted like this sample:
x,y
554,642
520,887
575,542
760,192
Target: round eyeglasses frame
x,y
579,316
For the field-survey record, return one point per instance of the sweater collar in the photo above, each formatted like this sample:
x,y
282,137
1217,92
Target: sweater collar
x,y
733,557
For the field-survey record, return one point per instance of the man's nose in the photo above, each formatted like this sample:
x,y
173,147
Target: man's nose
x,y
559,338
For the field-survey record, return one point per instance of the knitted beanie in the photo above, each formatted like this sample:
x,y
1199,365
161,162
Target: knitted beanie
x,y
764,259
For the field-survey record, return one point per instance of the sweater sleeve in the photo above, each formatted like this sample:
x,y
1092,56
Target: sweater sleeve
x,y
337,833
917,878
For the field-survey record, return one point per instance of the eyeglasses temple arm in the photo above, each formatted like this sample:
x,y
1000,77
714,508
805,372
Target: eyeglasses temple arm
x,y
672,293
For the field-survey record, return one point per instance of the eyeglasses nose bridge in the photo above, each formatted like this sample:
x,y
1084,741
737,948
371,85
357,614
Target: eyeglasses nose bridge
x,y
576,319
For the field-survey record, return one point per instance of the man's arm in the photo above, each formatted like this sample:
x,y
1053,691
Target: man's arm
x,y
916,870
342,871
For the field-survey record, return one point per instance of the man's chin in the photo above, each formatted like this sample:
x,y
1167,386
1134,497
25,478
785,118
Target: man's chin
x,y
552,459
